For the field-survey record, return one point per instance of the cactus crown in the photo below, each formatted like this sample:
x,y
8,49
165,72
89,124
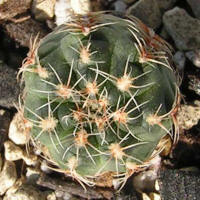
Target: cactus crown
x,y
100,94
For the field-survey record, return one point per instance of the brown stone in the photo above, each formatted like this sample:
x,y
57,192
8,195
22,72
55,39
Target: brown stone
x,y
24,31
11,8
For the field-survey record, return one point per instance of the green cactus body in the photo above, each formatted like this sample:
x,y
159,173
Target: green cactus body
x,y
100,95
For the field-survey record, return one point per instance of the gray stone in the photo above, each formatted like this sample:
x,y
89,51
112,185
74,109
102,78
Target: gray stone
x,y
195,6
184,29
148,11
8,176
194,83
12,151
120,6
9,88
179,60
165,4
194,57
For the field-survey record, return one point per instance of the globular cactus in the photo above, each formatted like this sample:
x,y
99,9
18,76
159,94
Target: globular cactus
x,y
100,93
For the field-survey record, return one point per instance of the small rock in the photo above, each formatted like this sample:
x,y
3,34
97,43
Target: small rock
x,y
12,151
9,88
11,8
148,11
26,192
43,9
194,56
19,130
165,4
194,83
184,29
8,176
81,7
179,60
22,32
195,5
63,11
120,6
188,115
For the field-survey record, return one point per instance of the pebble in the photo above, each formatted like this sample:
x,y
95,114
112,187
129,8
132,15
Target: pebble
x,y
183,29
19,130
194,57
188,115
148,11
195,6
51,196
194,83
43,10
63,11
8,176
179,60
12,151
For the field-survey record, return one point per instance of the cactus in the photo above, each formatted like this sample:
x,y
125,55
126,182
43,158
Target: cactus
x,y
101,93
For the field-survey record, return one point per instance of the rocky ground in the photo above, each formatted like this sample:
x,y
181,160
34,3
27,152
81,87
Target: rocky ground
x,y
23,174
